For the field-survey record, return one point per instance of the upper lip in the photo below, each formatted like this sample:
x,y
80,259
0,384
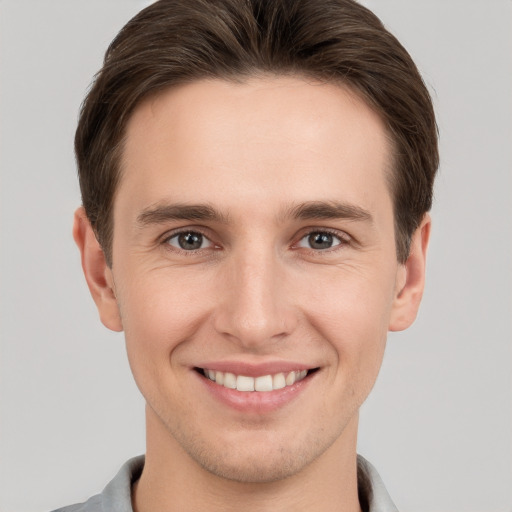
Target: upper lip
x,y
254,369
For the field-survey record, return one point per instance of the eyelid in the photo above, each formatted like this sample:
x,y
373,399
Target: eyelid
x,y
164,239
344,238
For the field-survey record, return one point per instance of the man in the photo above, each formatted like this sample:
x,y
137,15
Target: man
x,y
256,177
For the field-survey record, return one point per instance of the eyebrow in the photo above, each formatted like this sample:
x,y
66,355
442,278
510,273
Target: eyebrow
x,y
328,210
321,210
165,212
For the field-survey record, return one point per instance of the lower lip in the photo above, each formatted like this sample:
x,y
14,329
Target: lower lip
x,y
258,402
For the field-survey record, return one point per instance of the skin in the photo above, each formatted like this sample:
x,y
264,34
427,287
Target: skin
x,y
255,291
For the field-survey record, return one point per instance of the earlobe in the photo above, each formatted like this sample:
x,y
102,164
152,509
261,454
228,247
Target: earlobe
x,y
411,279
97,273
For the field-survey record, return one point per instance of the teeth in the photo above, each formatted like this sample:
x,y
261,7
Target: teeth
x,y
278,381
263,383
244,383
229,380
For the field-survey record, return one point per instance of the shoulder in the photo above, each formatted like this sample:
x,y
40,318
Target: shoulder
x,y
93,504
116,497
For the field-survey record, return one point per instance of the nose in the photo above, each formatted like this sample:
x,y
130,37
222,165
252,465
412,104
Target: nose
x,y
254,303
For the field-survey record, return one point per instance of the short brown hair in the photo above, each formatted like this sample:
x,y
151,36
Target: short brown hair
x,y
178,41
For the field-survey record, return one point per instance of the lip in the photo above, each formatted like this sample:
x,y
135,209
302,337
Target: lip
x,y
254,402
254,370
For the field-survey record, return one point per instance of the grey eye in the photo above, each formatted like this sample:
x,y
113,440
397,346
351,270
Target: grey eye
x,y
189,241
320,240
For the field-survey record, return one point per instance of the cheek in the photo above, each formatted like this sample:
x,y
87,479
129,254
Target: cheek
x,y
351,312
352,301
159,319
159,314
162,301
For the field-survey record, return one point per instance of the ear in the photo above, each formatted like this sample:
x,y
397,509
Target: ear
x,y
97,273
411,280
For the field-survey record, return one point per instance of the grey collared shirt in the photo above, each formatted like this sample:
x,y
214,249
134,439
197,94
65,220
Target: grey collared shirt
x,y
116,497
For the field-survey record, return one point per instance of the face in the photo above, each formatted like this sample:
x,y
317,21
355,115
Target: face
x,y
254,270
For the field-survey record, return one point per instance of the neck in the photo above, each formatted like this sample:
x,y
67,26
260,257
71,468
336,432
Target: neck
x,y
173,481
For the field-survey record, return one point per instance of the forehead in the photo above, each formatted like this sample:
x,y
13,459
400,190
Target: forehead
x,y
272,136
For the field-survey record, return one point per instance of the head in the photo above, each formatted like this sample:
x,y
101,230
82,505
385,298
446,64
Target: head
x,y
255,177
334,41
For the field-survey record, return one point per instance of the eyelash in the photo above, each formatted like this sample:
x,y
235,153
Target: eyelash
x,y
176,234
343,239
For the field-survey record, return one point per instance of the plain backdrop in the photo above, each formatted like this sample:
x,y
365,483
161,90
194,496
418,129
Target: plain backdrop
x,y
438,425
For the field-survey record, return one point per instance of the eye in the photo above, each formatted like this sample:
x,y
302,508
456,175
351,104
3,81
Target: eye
x,y
320,240
189,241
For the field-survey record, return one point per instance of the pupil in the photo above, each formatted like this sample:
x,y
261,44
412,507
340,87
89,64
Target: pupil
x,y
190,241
320,240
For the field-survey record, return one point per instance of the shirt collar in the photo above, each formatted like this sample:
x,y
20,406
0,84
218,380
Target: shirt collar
x,y
372,492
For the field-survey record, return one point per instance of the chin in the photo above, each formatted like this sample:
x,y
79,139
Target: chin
x,y
255,468
261,457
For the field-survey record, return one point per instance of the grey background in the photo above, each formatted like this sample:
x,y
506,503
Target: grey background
x,y
439,423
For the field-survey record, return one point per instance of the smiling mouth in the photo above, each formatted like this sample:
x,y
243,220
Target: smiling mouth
x,y
262,383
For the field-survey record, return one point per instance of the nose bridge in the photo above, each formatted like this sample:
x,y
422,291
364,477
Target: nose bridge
x,y
253,306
